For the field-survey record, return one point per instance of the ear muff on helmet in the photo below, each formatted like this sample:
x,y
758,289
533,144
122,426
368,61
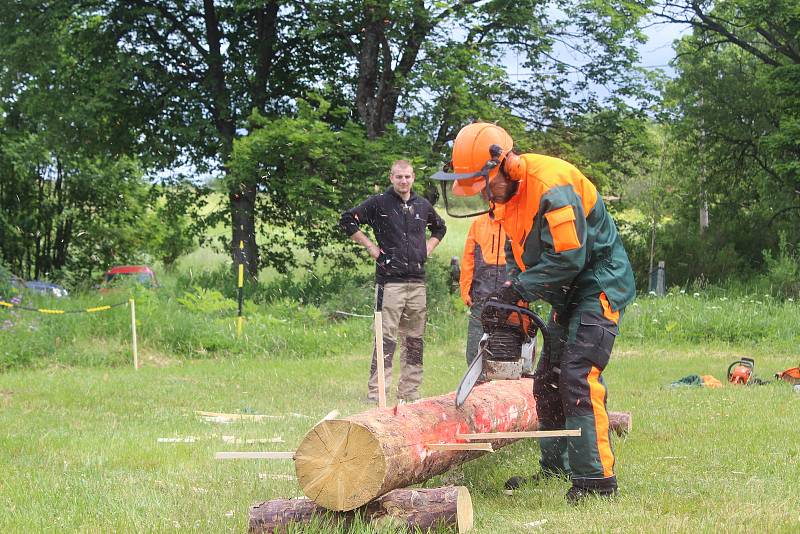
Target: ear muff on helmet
x,y
479,148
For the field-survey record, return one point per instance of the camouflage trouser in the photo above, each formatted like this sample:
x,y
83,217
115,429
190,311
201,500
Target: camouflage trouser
x,y
571,393
404,313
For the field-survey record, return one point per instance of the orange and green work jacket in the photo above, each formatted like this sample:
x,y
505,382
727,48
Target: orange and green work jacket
x,y
483,265
563,244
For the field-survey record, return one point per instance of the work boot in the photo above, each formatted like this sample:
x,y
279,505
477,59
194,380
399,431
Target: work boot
x,y
576,495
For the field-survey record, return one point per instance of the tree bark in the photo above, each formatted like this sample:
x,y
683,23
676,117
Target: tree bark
x,y
399,510
244,248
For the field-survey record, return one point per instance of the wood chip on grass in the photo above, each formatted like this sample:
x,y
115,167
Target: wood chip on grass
x,y
250,441
275,476
254,455
219,417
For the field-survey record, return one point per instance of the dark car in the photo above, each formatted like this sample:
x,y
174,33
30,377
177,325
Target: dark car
x,y
46,288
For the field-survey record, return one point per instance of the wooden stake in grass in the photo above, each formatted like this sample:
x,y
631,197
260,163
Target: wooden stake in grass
x,y
379,348
133,334
240,318
521,435
460,447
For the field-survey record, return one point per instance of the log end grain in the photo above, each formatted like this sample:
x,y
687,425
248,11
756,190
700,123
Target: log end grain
x,y
340,465
464,517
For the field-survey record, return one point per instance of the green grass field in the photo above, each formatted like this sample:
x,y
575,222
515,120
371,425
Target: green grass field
x,y
80,427
81,452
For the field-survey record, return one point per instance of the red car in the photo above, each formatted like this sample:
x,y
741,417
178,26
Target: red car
x,y
140,274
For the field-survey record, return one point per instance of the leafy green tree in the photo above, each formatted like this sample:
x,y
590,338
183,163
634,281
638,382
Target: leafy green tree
x,y
176,233
407,56
71,192
308,173
205,67
737,107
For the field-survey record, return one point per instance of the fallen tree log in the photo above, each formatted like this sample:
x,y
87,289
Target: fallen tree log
x,y
397,511
342,464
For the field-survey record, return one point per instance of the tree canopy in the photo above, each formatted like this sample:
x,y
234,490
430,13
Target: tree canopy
x,y
110,112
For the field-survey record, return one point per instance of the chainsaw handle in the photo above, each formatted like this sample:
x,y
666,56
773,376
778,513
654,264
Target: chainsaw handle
x,y
537,321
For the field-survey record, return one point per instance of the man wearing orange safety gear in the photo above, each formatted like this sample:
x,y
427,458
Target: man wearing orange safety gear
x,y
483,271
563,248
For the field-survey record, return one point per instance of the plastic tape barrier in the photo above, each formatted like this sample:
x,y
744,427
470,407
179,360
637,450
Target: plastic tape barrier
x,y
61,312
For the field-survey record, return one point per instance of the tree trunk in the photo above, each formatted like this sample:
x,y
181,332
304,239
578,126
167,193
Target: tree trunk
x,y
379,81
244,248
369,67
399,510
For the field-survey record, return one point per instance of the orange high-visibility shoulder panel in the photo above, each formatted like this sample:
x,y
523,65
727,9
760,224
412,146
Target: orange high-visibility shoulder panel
x,y
562,227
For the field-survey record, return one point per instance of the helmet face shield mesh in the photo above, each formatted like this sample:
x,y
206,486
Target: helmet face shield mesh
x,y
455,191
478,151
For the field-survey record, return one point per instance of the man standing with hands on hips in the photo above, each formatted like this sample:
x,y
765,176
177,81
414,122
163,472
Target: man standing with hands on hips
x,y
563,248
399,219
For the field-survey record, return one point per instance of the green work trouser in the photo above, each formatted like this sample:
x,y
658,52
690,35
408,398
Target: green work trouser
x,y
571,393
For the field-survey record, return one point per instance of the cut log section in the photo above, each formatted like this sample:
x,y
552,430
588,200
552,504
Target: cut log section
x,y
342,464
399,510
620,422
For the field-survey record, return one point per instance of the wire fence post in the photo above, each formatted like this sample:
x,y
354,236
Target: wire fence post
x,y
133,334
240,319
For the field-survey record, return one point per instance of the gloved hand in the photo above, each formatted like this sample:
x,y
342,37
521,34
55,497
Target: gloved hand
x,y
506,294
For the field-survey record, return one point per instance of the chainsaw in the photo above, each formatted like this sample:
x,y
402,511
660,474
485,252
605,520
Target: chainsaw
x,y
506,328
741,371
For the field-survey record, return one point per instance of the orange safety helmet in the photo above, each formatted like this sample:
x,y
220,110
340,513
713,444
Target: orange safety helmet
x,y
471,151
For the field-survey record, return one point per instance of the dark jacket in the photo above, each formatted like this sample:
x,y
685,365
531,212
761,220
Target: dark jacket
x,y
400,231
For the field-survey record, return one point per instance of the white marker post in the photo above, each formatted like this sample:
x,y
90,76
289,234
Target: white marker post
x,y
133,334
379,347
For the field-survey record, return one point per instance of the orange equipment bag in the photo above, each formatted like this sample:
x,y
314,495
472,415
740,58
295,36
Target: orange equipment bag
x,y
790,375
